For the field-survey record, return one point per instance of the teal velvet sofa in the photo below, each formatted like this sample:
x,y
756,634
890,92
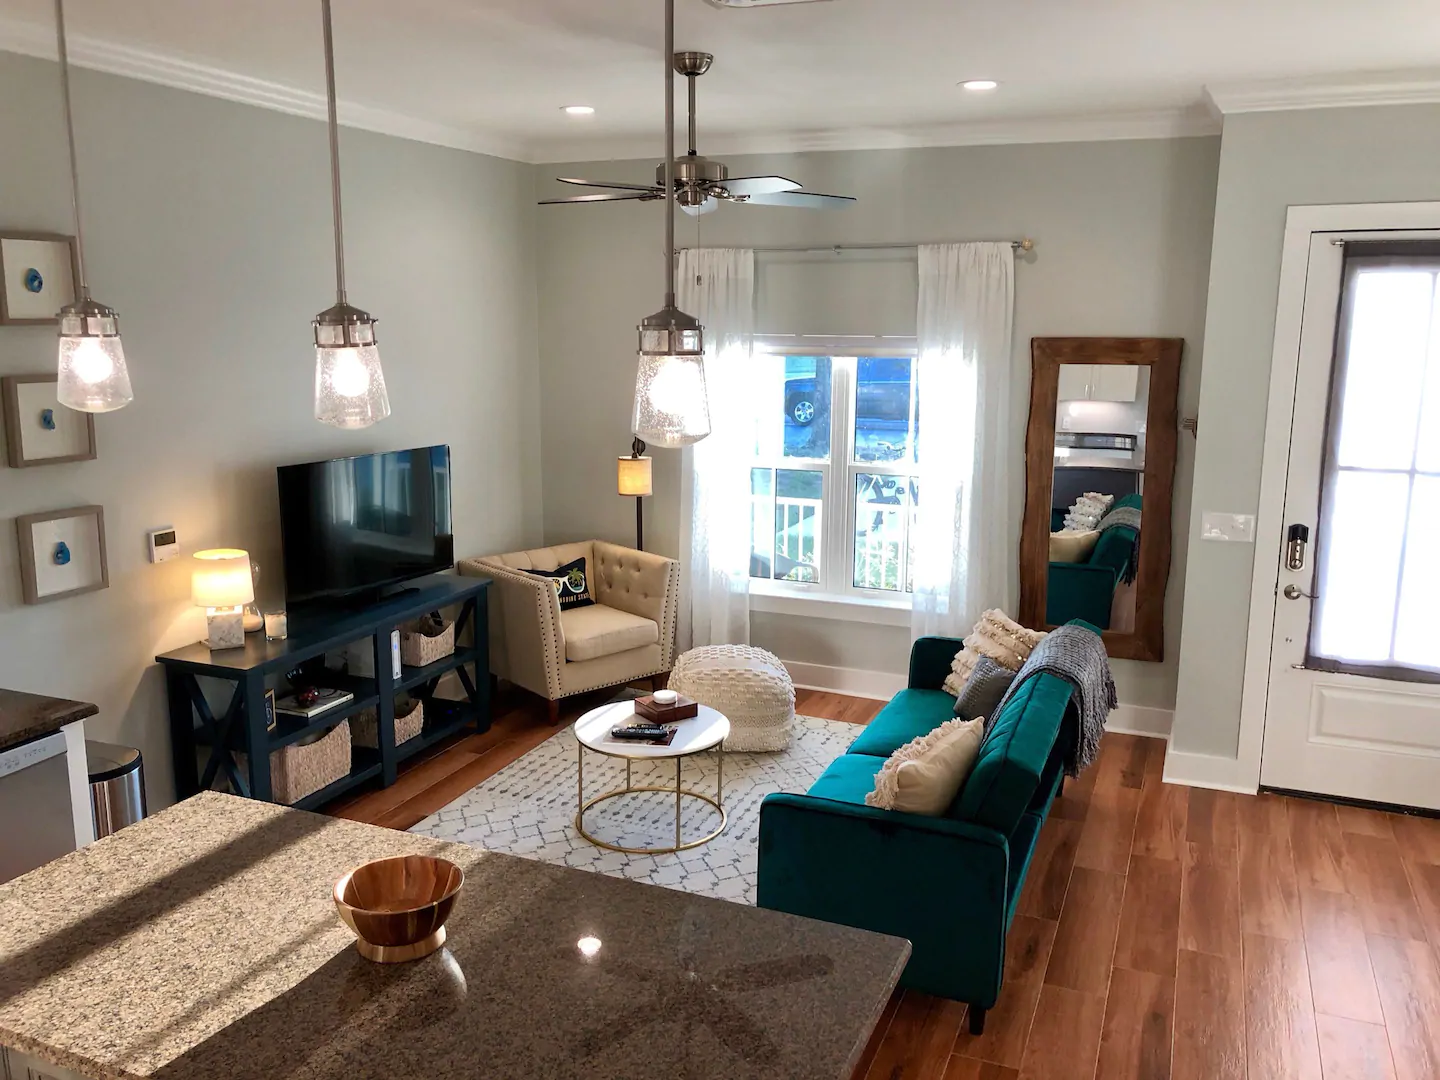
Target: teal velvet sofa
x,y
949,884
1087,590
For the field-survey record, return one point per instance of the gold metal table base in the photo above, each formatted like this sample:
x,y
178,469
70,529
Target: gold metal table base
x,y
678,791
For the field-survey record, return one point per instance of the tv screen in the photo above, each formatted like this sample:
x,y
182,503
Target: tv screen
x,y
358,524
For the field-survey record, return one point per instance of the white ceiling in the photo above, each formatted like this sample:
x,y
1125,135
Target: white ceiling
x,y
493,74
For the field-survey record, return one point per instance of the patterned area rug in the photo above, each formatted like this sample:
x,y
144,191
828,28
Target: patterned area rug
x,y
528,809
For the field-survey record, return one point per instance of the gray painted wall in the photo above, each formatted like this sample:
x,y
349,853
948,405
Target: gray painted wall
x,y
1123,232
209,230
1268,162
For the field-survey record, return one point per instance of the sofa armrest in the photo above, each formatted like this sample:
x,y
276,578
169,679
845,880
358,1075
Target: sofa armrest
x,y
930,659
527,640
938,882
641,583
1079,591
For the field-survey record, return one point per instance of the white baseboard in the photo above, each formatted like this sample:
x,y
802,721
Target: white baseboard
x,y
1143,720
883,685
1206,771
878,685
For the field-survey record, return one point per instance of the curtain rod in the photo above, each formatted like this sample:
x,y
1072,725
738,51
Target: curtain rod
x,y
1026,244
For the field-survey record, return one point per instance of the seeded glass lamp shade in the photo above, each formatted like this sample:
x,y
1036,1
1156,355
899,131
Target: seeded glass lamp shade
x,y
672,408
349,383
93,377
634,476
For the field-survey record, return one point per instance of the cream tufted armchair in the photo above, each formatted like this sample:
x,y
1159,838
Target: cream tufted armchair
x,y
629,632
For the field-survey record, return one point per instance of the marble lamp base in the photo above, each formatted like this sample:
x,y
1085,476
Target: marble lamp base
x,y
225,628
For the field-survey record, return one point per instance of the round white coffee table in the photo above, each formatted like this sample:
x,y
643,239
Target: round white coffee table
x,y
697,735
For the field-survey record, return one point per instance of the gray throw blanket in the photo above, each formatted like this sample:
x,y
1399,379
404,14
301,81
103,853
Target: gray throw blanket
x,y
1078,656
1125,515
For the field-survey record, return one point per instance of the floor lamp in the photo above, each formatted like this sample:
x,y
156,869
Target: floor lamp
x,y
635,480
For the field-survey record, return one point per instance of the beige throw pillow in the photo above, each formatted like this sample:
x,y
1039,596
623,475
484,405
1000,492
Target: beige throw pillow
x,y
925,775
1073,547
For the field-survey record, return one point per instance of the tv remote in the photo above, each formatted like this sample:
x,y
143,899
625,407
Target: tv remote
x,y
640,731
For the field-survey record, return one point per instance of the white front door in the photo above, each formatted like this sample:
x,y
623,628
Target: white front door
x,y
1353,708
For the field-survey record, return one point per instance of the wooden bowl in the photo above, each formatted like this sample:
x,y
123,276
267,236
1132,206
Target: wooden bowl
x,y
398,907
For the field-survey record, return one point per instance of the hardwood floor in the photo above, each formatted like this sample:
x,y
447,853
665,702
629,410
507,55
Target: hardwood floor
x,y
1164,933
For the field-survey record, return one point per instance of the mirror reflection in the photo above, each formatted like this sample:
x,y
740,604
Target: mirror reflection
x,y
1097,495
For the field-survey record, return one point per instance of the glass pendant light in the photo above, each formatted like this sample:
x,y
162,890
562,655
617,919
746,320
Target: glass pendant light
x,y
349,385
92,373
671,406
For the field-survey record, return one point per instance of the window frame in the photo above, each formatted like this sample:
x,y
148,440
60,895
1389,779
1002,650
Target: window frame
x,y
836,588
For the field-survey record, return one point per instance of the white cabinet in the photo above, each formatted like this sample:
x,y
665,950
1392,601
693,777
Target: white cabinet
x,y
1099,382
17,1066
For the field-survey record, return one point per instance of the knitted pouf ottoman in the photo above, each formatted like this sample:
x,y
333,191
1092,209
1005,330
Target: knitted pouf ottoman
x,y
748,685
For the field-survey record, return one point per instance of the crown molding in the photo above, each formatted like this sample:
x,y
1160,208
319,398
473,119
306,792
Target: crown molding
x,y
114,59
1410,87
1098,127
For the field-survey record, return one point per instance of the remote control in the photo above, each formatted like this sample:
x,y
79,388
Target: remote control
x,y
640,731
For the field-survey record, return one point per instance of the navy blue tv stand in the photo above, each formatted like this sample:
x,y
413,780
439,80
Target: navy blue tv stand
x,y
241,726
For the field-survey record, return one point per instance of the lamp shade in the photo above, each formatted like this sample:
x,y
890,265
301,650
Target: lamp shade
x,y
634,476
221,579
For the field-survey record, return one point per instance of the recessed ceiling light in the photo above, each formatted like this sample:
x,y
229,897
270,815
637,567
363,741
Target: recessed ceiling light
x,y
980,84
578,110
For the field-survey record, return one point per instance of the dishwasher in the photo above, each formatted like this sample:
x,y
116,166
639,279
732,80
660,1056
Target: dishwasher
x,y
35,812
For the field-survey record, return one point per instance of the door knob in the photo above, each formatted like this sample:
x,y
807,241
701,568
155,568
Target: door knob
x,y
1294,592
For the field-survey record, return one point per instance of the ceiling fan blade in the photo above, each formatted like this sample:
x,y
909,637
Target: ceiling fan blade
x,y
617,187
616,196
807,200
708,206
758,185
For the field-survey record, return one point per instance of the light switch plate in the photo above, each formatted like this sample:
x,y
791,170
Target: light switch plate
x,y
1231,528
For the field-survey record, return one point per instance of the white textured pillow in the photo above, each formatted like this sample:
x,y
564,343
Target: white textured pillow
x,y
925,775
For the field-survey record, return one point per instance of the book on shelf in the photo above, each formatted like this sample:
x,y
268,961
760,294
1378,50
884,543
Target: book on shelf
x,y
289,705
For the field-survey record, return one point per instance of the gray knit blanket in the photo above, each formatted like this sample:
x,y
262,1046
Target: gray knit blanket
x,y
1125,515
1078,656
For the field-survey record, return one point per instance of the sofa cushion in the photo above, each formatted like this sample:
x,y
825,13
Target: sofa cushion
x,y
849,779
598,630
1014,755
910,714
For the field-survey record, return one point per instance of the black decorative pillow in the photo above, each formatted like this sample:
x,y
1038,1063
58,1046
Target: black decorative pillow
x,y
572,584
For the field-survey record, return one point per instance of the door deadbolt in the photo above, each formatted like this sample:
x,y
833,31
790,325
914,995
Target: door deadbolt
x,y
1297,540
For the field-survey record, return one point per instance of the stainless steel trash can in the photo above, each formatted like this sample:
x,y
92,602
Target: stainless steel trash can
x,y
117,786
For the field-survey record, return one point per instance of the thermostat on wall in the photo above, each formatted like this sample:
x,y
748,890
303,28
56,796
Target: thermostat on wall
x,y
164,544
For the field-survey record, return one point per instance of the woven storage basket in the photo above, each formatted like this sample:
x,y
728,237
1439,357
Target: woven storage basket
x,y
367,726
417,650
297,771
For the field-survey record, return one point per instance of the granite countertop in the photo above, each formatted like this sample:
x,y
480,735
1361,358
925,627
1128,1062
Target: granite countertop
x,y
203,943
29,716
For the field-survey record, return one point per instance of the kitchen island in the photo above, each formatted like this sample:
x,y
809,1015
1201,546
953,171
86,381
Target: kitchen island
x,y
203,943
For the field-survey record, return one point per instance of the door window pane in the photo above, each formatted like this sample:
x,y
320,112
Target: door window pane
x,y
884,512
1384,372
1416,639
785,524
887,411
1360,565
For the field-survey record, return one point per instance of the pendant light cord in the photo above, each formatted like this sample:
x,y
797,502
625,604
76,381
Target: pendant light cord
x,y
334,125
669,153
70,135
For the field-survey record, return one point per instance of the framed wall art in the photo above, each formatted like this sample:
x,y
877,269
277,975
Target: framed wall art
x,y
38,429
62,553
37,277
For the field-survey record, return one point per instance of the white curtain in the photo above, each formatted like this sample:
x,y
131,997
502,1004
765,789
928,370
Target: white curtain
x,y
966,539
717,286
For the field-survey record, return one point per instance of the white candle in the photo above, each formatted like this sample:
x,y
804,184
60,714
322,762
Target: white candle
x,y
277,626
665,697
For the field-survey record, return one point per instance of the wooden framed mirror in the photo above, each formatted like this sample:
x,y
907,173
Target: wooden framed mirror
x,y
1099,478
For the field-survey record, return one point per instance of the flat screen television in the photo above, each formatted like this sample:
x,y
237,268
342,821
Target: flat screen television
x,y
354,526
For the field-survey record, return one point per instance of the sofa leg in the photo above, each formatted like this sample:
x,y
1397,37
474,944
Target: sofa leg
x,y
977,1020
553,709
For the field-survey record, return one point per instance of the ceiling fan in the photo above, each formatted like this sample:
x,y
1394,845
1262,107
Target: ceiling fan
x,y
701,184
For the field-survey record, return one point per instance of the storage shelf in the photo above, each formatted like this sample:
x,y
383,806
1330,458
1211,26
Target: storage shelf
x,y
443,720
414,676
364,765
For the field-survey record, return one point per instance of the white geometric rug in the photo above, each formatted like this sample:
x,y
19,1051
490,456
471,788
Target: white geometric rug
x,y
528,809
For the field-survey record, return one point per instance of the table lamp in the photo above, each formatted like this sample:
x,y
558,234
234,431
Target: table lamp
x,y
635,480
220,583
